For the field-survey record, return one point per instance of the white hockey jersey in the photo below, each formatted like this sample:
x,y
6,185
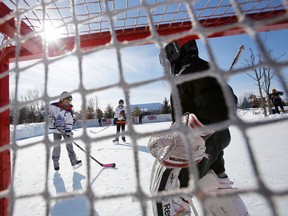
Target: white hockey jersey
x,y
120,113
59,117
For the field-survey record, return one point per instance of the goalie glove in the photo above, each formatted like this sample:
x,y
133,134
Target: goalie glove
x,y
193,122
171,151
51,122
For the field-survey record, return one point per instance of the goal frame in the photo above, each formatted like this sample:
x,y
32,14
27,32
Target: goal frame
x,y
32,48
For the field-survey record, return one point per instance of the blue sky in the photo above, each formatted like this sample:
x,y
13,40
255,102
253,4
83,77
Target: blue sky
x,y
141,63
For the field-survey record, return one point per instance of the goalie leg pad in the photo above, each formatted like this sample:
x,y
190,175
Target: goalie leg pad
x,y
166,179
226,206
221,206
210,182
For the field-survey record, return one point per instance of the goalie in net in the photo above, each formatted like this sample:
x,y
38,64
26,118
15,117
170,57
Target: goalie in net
x,y
203,103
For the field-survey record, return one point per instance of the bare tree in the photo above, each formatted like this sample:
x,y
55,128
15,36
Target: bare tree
x,y
29,106
257,75
262,74
90,108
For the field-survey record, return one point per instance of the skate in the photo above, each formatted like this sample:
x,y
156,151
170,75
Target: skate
x,y
124,139
116,141
77,164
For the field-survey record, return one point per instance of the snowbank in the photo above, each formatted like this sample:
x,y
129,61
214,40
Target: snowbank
x,y
24,131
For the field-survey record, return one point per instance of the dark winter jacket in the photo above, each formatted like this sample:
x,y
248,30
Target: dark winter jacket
x,y
203,97
275,97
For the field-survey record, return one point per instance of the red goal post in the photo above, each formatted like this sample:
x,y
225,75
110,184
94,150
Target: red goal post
x,y
21,26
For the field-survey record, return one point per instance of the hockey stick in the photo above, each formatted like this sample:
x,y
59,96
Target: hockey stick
x,y
113,165
96,132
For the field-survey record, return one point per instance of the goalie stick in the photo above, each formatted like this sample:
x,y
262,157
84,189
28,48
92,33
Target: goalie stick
x,y
108,165
240,50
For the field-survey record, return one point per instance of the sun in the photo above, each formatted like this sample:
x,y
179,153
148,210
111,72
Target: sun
x,y
50,33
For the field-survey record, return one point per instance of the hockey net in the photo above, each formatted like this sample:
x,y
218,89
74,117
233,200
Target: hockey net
x,y
94,27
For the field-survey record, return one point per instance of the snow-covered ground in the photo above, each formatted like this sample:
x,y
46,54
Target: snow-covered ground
x,y
68,192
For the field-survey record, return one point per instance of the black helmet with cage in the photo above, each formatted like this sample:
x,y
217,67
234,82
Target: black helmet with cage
x,y
172,54
169,56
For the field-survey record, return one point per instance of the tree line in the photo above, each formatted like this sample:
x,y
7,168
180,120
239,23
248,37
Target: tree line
x,y
28,107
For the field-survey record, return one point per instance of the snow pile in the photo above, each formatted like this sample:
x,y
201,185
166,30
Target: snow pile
x,y
24,131
252,115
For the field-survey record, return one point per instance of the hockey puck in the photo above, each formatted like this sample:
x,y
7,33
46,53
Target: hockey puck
x,y
113,165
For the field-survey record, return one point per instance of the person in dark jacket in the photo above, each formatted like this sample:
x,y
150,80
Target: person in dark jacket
x,y
140,118
276,100
205,99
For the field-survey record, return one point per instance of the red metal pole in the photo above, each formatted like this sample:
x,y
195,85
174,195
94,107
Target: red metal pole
x,y
5,166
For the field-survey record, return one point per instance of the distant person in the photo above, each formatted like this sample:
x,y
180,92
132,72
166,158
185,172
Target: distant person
x,y
140,118
100,122
61,121
277,100
203,103
120,117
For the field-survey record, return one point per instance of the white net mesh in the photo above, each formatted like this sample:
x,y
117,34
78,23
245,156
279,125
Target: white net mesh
x,y
95,49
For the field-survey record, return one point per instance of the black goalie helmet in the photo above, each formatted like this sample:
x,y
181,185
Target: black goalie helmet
x,y
169,56
189,48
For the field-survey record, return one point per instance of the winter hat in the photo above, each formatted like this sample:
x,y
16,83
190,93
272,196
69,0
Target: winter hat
x,y
65,95
121,101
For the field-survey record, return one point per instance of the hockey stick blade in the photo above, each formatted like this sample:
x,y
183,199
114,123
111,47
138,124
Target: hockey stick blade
x,y
113,165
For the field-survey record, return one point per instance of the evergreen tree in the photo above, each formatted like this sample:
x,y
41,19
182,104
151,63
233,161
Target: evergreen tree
x,y
245,103
137,111
23,115
166,108
109,112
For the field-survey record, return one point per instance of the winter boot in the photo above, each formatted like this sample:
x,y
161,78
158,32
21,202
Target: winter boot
x,y
123,139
